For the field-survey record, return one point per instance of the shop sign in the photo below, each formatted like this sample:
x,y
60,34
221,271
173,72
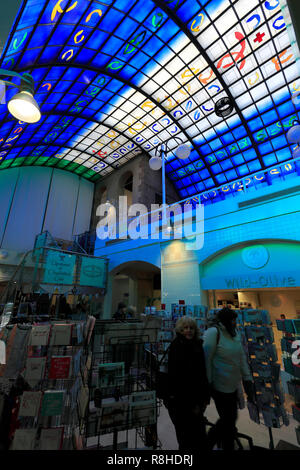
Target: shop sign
x,y
59,268
92,272
259,282
252,281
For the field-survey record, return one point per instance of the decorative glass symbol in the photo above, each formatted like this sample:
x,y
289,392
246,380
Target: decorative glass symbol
x,y
223,107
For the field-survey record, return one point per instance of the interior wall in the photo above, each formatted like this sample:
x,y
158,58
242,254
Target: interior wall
x,y
146,184
120,287
34,199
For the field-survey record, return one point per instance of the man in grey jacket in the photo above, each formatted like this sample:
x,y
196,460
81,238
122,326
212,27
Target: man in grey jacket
x,y
226,366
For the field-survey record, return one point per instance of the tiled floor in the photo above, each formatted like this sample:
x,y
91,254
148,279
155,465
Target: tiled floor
x,y
258,432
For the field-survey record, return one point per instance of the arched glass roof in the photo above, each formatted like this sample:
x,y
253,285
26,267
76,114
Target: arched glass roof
x,y
114,78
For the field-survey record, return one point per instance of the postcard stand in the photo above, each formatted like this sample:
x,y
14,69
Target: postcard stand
x,y
258,339
120,394
290,356
55,353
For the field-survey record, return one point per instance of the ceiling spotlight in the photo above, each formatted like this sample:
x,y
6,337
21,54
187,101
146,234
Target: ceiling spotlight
x,y
23,106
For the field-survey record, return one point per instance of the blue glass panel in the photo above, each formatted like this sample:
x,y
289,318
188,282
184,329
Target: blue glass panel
x,y
288,122
274,129
139,60
9,62
194,155
62,107
87,76
151,47
200,187
212,6
122,4
41,36
61,86
19,41
55,73
280,96
265,104
168,31
221,178
226,164
265,148
208,183
215,144
242,170
255,124
77,88
216,168
175,164
191,190
205,149
186,181
249,155
183,193
178,184
31,13
141,10
96,40
239,132
38,74
283,154
29,58
269,160
195,178
204,174
172,176
237,159
114,47
127,72
85,56
50,54
231,174
107,24
227,138
114,85
269,117
185,13
279,142
101,60
285,109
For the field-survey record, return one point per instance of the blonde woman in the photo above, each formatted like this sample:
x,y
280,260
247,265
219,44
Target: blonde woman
x,y
188,386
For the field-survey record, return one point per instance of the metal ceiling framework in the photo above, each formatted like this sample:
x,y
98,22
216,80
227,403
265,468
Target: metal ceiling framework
x,y
115,73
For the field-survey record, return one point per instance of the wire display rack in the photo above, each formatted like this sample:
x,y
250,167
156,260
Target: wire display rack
x,y
121,386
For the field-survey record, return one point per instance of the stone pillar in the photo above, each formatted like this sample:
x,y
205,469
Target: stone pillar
x,y
107,304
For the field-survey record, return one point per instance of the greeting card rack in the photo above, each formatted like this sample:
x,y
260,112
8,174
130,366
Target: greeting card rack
x,y
258,339
120,395
44,367
290,344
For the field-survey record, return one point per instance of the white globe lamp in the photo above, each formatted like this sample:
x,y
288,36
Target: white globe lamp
x,y
182,151
293,134
155,163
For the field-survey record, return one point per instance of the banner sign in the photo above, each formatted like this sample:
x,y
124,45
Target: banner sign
x,y
59,268
92,272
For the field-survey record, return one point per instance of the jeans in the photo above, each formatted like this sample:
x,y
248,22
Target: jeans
x,y
224,431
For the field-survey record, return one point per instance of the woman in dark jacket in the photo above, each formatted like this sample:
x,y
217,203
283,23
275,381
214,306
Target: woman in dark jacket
x,y
188,386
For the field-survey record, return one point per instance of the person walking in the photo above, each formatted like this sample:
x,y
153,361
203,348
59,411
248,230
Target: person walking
x,y
188,386
226,367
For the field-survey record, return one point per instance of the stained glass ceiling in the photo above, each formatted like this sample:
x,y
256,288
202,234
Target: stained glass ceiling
x,y
115,78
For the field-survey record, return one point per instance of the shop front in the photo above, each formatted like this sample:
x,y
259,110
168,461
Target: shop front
x,y
261,275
